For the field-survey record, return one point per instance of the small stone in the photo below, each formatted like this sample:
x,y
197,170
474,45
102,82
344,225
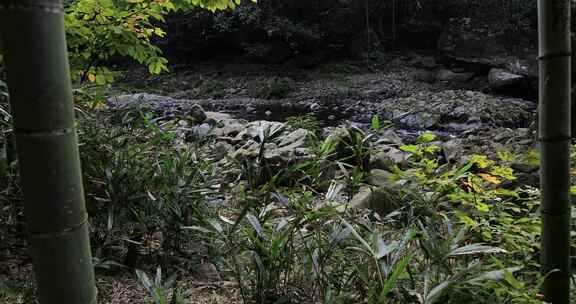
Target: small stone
x,y
221,150
207,272
377,199
217,116
388,160
314,106
390,137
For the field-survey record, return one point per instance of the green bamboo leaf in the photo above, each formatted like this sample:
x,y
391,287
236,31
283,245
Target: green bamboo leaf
x,y
495,275
393,278
476,249
362,241
437,291
255,223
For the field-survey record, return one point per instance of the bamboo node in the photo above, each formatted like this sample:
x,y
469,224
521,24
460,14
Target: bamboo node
x,y
556,213
62,233
57,132
554,55
555,139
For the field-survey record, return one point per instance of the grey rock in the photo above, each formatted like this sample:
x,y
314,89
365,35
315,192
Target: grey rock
x,y
229,127
201,130
388,160
447,75
295,139
381,178
207,272
498,78
217,116
222,150
377,199
256,129
452,150
389,137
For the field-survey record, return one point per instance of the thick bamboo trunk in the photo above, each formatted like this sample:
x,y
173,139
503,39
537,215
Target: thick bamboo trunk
x,y
40,89
554,54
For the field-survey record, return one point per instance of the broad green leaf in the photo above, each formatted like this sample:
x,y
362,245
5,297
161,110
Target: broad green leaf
x,y
426,138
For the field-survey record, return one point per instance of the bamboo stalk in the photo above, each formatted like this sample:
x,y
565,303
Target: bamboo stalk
x,y
40,89
554,130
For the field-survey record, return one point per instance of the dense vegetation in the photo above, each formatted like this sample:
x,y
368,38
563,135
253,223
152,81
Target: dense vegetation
x,y
167,193
450,233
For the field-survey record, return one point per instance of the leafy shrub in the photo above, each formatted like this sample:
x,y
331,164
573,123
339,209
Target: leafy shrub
x,y
99,31
126,167
458,237
306,121
138,187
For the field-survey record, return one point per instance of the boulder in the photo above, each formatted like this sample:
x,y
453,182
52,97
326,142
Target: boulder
x,y
486,42
388,160
256,129
214,118
286,147
389,136
450,76
207,272
222,150
378,199
498,78
381,178
502,81
229,128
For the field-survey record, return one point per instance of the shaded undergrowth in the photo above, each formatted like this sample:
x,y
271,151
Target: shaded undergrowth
x,y
160,198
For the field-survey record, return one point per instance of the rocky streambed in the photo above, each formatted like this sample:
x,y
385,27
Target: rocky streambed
x,y
455,105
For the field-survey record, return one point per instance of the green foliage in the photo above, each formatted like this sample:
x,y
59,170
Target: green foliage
x,y
137,185
307,121
458,237
463,233
159,289
17,292
99,31
375,123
